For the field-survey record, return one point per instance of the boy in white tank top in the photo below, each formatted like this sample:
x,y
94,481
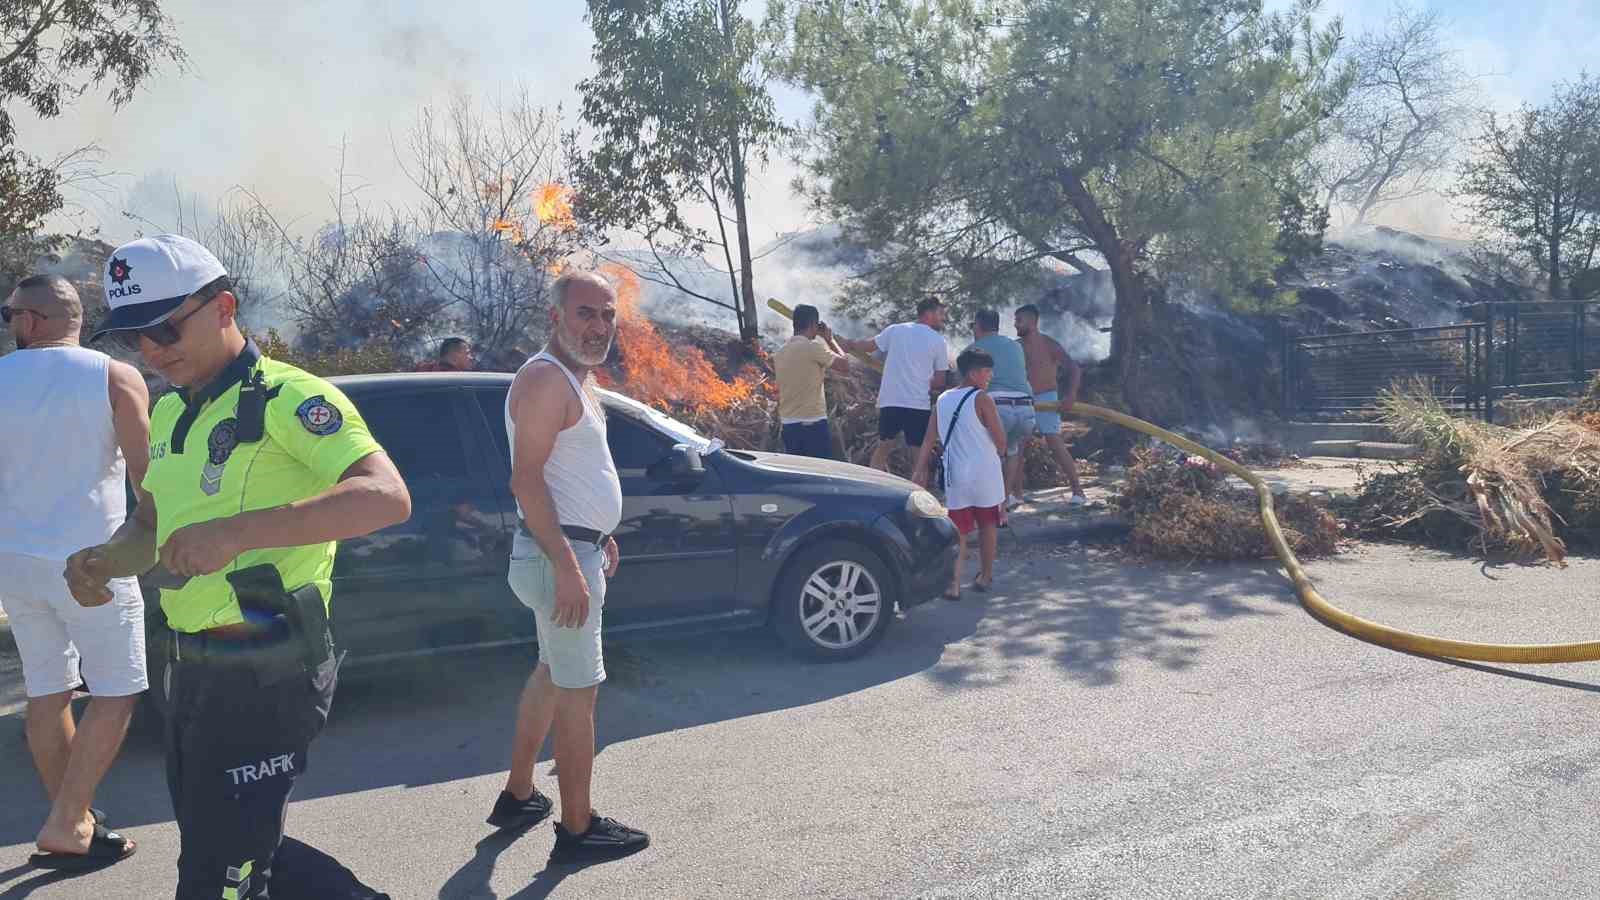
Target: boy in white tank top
x,y
77,424
973,440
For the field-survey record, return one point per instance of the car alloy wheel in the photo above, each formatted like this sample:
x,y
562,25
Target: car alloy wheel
x,y
840,605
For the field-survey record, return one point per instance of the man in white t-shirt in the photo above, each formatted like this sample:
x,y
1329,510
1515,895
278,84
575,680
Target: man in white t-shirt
x,y
76,427
916,360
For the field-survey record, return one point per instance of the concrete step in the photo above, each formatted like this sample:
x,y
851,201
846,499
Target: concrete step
x,y
1365,449
1300,437
1388,450
1334,448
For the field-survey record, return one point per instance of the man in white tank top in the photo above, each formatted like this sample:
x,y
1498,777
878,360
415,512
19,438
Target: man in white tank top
x,y
76,423
570,501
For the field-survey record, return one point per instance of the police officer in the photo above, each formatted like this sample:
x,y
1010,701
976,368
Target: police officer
x,y
257,470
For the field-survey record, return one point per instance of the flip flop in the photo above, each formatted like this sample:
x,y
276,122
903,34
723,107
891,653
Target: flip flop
x,y
981,587
952,597
105,848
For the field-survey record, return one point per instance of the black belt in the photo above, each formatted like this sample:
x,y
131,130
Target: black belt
x,y
1013,401
581,535
276,645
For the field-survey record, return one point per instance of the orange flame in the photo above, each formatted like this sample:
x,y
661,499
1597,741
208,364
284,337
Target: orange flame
x,y
507,227
656,374
552,203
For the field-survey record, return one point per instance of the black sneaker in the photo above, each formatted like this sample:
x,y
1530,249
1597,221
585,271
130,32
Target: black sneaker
x,y
509,812
605,839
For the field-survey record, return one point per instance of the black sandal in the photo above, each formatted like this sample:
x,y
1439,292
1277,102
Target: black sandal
x,y
982,587
105,848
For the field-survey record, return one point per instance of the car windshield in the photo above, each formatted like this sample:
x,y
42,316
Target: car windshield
x,y
679,432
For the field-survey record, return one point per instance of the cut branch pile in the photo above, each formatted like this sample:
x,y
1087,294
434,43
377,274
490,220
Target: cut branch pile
x,y
1185,508
1520,490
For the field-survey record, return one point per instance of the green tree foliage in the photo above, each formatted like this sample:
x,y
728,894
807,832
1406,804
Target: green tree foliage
x,y
51,52
28,192
968,140
1534,179
680,112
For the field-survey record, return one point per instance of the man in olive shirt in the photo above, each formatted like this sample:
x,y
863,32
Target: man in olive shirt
x,y
256,468
802,404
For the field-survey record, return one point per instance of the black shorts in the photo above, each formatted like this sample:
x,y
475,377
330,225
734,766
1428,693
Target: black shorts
x,y
894,421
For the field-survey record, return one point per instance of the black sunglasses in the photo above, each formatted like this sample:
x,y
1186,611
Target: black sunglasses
x,y
7,313
164,333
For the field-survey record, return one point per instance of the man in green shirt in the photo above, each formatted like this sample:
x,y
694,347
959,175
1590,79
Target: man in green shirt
x,y
257,469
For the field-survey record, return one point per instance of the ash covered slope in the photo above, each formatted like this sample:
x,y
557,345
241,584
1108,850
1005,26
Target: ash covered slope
x,y
1216,370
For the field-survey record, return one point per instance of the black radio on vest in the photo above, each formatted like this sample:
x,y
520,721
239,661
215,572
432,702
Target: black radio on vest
x,y
252,410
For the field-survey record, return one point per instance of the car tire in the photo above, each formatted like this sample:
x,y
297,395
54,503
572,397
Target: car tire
x,y
834,572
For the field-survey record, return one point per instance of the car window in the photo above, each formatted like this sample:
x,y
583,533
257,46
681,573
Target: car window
x,y
455,518
633,446
419,432
493,404
676,432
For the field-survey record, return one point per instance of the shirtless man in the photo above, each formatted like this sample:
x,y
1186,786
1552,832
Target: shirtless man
x,y
1046,360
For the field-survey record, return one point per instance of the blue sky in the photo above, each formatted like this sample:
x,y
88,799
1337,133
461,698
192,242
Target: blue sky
x,y
275,89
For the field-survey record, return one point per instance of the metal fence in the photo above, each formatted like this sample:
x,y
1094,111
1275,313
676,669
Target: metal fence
x,y
1523,349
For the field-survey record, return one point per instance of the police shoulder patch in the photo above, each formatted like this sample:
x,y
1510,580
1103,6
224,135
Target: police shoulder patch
x,y
319,416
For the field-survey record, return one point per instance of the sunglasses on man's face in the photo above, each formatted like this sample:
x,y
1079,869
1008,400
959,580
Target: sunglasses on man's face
x,y
164,333
7,313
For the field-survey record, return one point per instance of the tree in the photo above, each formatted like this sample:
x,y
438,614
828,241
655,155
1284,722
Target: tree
x,y
680,112
239,230
977,138
1534,179
358,281
494,219
28,193
1401,125
51,52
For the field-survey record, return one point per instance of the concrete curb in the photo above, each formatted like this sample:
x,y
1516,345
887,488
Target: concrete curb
x,y
1061,527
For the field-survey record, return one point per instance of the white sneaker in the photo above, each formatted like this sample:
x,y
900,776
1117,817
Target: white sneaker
x,y
1078,500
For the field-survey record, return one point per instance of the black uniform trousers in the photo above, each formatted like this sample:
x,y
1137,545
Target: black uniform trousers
x,y
240,720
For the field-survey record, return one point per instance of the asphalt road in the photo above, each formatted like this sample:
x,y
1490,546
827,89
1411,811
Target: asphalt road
x,y
1092,730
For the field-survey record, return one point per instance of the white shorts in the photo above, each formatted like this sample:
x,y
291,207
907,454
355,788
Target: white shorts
x,y
573,654
62,643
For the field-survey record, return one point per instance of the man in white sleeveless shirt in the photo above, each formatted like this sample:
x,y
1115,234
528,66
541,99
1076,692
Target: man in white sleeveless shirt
x,y
570,501
76,423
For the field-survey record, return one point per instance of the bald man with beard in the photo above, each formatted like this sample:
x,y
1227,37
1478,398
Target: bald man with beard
x,y
76,425
569,501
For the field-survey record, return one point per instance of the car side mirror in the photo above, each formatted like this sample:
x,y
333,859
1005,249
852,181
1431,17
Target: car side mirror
x,y
682,464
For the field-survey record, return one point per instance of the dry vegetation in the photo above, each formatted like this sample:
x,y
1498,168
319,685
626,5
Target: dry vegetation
x,y
1526,491
1185,508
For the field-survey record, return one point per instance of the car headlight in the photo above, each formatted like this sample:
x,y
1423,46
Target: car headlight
x,y
925,505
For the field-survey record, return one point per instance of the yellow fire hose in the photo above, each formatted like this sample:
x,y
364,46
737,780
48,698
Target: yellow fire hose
x,y
1314,603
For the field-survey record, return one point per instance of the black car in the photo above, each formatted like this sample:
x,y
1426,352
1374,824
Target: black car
x,y
711,537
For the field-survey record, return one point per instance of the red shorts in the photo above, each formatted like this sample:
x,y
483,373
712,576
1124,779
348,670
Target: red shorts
x,y
968,518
